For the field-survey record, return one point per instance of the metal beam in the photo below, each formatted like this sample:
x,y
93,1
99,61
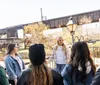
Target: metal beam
x,y
82,18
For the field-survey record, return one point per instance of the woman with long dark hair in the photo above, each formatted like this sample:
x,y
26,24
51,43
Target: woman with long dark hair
x,y
14,64
38,73
81,68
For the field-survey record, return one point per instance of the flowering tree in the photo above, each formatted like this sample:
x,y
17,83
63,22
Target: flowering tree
x,y
35,31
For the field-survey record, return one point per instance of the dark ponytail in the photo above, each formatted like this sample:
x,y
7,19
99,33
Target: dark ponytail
x,y
10,48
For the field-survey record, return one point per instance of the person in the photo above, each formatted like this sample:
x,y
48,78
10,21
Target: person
x,y
38,73
3,77
96,79
14,64
60,55
81,69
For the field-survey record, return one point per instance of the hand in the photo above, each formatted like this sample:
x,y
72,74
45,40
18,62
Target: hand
x,y
67,61
15,81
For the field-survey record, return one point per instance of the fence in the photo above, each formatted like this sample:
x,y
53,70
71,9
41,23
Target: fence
x,y
51,62
95,52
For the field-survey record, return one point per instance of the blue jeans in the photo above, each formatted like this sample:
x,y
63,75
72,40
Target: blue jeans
x,y
59,67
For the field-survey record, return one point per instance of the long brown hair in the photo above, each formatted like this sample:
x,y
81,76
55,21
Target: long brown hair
x,y
40,75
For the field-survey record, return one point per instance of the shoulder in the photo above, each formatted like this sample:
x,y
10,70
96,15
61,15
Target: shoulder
x,y
26,72
19,56
55,74
55,47
98,70
96,79
1,69
7,58
24,78
57,78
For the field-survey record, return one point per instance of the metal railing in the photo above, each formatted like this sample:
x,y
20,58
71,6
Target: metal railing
x,y
49,60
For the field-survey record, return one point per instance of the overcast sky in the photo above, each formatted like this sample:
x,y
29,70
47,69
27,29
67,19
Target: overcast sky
x,y
14,12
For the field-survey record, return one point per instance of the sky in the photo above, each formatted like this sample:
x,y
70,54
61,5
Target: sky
x,y
15,12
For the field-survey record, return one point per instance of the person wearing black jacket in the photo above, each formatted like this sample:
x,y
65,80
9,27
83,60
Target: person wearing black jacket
x,y
96,79
38,73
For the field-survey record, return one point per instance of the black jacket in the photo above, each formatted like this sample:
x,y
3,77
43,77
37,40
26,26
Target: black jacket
x,y
23,80
96,79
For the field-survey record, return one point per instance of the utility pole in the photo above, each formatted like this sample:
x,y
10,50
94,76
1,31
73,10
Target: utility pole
x,y
42,17
41,14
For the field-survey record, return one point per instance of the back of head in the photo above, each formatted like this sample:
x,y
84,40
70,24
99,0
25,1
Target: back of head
x,y
11,47
80,55
79,52
37,54
41,74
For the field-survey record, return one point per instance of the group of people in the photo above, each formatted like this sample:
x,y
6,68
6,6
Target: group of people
x,y
75,68
14,66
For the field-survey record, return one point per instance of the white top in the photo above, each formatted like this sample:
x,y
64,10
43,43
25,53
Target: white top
x,y
19,62
60,56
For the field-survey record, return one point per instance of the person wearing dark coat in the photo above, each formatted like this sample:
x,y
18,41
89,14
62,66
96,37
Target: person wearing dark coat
x,y
38,73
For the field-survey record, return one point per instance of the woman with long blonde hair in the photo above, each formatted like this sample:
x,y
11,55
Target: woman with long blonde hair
x,y
60,54
38,73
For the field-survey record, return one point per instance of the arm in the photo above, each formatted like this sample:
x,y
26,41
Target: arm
x,y
66,73
3,78
53,54
96,79
23,64
68,55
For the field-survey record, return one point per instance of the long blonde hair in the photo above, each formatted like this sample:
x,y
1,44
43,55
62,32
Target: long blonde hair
x,y
40,75
63,46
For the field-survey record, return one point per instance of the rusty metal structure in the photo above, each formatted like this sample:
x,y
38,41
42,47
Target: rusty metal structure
x,y
82,18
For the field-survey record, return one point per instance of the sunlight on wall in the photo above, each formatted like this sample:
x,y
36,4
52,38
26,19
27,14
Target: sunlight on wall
x,y
20,33
91,28
54,32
